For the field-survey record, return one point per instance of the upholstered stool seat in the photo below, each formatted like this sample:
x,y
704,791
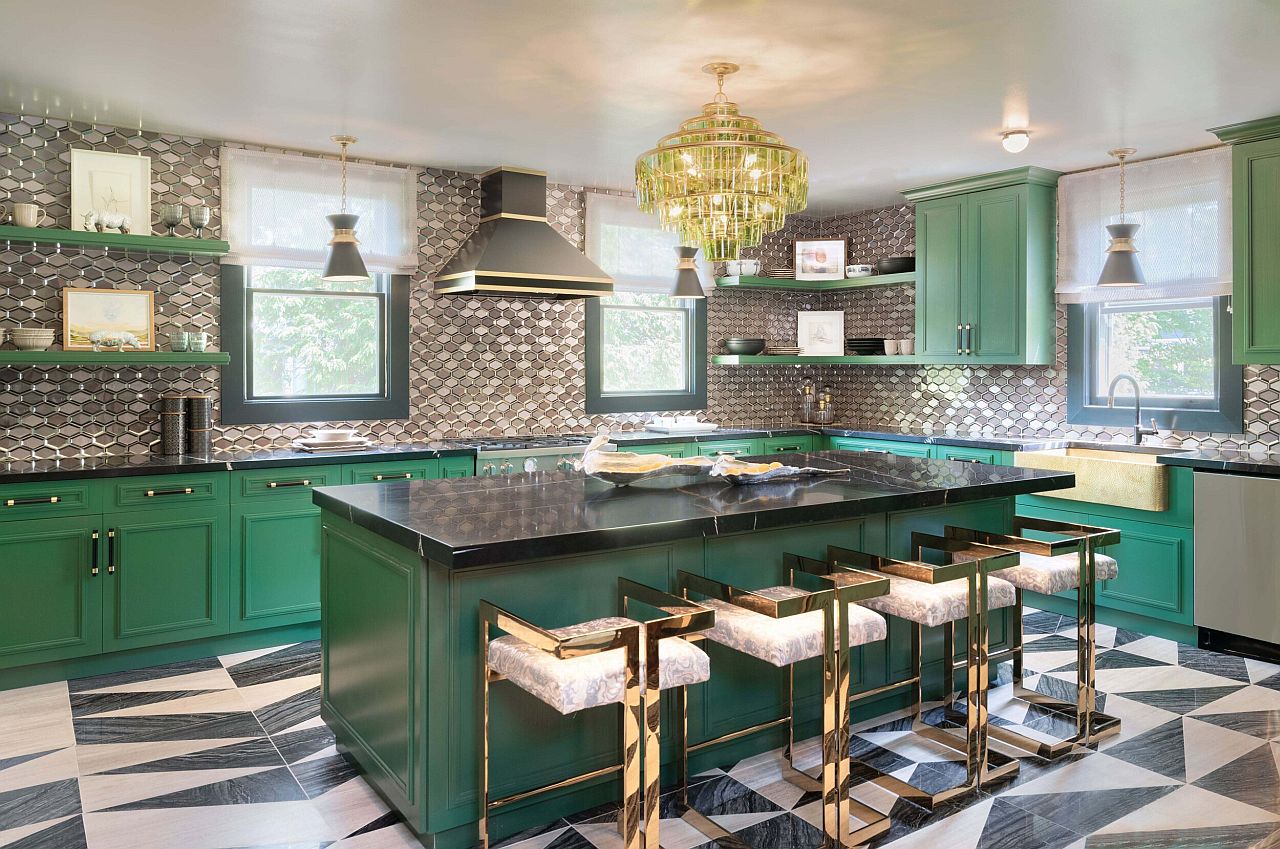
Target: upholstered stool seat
x,y
577,683
1049,575
789,639
931,605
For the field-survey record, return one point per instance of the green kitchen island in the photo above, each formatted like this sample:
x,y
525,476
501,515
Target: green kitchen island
x,y
405,566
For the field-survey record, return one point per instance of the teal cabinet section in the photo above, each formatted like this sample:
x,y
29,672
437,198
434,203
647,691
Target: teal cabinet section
x,y
166,577
457,467
994,286
49,499
972,455
671,449
52,599
275,565
940,226
727,447
880,446
391,470
1255,186
287,482
783,444
164,491
1181,510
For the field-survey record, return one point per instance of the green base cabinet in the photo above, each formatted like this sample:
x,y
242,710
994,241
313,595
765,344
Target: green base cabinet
x,y
727,448
790,444
880,446
457,467
275,565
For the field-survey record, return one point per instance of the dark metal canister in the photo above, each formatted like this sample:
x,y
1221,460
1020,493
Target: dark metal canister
x,y
173,433
173,403
199,412
199,440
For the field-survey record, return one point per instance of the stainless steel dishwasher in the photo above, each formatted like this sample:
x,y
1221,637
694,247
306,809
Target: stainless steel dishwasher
x,y
1237,563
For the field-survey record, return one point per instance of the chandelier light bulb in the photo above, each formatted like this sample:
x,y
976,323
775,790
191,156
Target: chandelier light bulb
x,y
1015,141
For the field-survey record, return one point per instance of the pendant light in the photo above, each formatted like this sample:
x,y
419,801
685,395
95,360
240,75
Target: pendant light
x,y
343,263
1121,270
688,284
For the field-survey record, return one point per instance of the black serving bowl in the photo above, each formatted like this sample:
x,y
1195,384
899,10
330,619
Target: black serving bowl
x,y
745,347
896,265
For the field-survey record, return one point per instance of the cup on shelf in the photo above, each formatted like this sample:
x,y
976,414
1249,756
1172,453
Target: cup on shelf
x,y
31,338
179,341
29,215
197,341
891,346
906,346
199,218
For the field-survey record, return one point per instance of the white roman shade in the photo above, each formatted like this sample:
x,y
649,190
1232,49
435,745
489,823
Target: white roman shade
x,y
1183,203
274,207
630,246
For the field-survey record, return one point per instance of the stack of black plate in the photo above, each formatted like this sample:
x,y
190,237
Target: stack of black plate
x,y
864,345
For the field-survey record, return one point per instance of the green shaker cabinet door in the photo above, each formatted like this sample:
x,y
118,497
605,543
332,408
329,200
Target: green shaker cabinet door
x,y
1256,237
166,578
671,449
275,565
940,239
994,288
726,447
53,602
457,467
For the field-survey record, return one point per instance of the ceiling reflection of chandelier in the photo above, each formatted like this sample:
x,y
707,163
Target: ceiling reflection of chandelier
x,y
722,181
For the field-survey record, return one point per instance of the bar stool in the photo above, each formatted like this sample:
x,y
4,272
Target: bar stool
x,y
814,614
614,660
929,595
1069,559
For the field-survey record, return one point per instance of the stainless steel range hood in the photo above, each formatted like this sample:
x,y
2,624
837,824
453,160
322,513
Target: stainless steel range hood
x,y
515,252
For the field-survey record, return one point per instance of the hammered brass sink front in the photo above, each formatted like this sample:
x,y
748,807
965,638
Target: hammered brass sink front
x,y
1120,475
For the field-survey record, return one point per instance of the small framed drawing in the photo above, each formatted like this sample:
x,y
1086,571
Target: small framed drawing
x,y
820,334
108,319
110,185
820,259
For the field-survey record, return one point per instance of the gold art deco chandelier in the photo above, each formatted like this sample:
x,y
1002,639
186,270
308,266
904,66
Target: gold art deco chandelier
x,y
722,181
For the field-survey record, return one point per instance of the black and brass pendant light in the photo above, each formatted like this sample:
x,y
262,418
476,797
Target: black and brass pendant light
x,y
688,284
344,264
1121,270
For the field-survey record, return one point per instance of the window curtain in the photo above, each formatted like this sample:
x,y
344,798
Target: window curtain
x,y
630,246
274,207
1183,203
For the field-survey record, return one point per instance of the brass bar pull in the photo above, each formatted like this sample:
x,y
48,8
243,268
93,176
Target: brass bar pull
x,y
959,338
282,484
152,493
93,553
21,502
783,448
730,453
111,551
873,451
968,338
406,476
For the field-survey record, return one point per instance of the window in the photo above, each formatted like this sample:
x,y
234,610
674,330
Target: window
x,y
646,351
304,349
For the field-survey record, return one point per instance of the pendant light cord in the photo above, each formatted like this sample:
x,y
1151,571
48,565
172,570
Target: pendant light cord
x,y
344,187
344,181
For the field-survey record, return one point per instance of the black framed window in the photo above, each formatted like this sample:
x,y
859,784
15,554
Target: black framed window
x,y
305,349
1179,351
646,352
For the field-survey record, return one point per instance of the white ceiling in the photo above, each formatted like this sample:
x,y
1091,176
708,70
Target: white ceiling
x,y
881,95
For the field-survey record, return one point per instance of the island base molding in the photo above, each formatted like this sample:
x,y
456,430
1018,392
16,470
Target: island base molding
x,y
400,638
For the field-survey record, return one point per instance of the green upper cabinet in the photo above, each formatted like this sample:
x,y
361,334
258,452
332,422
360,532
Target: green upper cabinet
x,y
985,268
1255,235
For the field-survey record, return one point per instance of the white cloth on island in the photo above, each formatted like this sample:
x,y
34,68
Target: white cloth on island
x,y
936,604
576,683
1049,575
786,639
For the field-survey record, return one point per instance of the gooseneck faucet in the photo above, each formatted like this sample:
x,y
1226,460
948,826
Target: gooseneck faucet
x,y
1138,430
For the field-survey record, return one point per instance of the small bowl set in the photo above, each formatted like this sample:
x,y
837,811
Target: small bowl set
x,y
30,338
742,267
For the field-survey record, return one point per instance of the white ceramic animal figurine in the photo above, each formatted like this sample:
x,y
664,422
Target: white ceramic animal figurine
x,y
107,221
118,339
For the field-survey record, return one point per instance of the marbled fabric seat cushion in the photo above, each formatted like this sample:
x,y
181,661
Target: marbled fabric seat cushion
x,y
788,639
576,683
1049,575
935,604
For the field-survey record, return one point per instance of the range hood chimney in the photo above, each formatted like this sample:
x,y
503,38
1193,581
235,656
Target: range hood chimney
x,y
515,253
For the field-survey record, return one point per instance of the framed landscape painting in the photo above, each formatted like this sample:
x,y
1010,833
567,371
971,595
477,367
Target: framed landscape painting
x,y
92,317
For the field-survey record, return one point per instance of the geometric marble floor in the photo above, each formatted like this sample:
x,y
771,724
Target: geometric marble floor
x,y
230,753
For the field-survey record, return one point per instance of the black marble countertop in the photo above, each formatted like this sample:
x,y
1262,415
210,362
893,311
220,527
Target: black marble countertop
x,y
649,437
1226,460
995,443
468,522
124,465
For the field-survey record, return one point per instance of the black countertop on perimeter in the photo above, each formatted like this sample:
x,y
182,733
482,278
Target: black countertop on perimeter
x,y
466,522
1226,460
995,443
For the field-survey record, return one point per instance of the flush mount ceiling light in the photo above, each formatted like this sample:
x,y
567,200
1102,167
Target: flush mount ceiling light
x,y
1121,269
688,284
722,181
343,264
1015,141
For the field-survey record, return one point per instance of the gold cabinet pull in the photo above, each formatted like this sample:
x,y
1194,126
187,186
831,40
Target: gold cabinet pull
x,y
93,553
22,502
282,484
111,551
152,493
406,476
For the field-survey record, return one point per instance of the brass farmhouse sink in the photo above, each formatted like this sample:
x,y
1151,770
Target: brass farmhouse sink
x,y
1120,475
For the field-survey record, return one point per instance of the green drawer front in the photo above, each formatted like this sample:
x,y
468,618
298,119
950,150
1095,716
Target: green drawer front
x,y
159,491
969,455
288,482
392,470
782,444
731,447
457,467
48,500
671,449
880,446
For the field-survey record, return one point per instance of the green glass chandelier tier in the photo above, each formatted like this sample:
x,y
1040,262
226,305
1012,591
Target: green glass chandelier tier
x,y
722,181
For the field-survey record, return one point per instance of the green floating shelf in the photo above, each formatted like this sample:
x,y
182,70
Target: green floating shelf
x,y
117,241
762,360
140,359
744,282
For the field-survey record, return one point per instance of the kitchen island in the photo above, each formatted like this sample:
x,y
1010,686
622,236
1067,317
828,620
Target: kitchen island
x,y
405,566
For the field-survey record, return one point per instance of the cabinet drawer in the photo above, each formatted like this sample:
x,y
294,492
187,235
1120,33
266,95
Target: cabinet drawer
x,y
289,482
880,446
393,470
457,467
783,444
968,455
49,499
159,491
737,447
671,449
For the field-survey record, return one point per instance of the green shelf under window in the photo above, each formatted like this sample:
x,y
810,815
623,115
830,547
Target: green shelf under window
x,y
140,359
114,241
763,360
745,282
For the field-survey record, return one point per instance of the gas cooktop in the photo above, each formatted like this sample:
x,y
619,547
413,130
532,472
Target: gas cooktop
x,y
523,443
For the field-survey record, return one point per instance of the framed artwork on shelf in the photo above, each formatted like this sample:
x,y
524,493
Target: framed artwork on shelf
x,y
112,188
820,259
108,319
820,333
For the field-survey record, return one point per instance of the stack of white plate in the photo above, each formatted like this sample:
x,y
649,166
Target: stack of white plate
x,y
332,440
782,351
782,273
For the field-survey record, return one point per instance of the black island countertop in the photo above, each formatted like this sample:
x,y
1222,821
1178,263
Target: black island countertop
x,y
995,442
469,522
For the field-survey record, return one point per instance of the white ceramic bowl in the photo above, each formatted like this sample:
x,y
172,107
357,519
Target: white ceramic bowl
x,y
32,338
332,435
750,267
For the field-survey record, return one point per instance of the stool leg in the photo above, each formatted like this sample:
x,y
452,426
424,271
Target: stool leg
x,y
652,757
917,667
682,745
632,719
977,678
835,726
1015,625
484,735
949,662
1086,644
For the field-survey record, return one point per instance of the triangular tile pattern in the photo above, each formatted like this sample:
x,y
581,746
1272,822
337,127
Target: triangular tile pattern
x,y
142,758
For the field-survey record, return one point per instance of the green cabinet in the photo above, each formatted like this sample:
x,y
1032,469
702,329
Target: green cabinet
x,y
880,446
671,449
989,456
784,444
985,268
390,470
275,564
727,447
457,467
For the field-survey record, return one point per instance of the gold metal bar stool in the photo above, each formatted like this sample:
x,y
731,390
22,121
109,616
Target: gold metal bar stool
x,y
815,614
928,595
614,660
1067,559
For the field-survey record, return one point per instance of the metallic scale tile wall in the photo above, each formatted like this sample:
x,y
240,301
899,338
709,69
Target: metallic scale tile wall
x,y
481,366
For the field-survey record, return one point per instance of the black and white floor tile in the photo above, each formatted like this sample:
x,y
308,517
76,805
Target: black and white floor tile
x,y
230,753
